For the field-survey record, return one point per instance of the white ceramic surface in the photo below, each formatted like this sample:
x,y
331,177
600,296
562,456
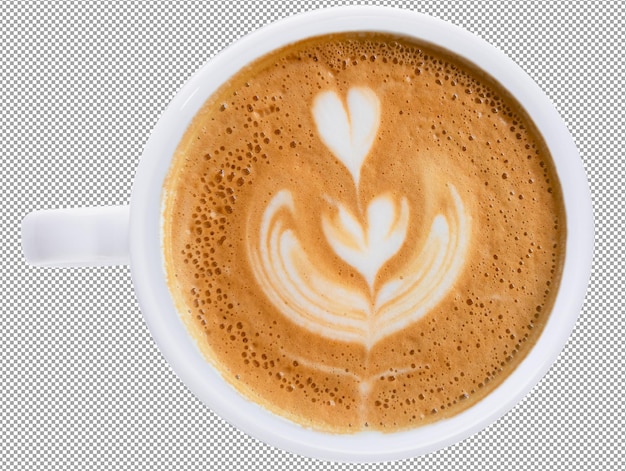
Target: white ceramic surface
x,y
103,236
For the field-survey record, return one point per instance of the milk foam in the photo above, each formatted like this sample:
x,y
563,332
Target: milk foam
x,y
366,242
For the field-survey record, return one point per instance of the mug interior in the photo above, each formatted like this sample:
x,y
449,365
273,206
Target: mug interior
x,y
171,335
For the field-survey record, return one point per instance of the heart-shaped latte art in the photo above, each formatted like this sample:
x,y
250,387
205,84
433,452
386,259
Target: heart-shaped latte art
x,y
368,248
348,133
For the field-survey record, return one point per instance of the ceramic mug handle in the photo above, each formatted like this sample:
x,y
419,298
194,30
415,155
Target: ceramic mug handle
x,y
77,237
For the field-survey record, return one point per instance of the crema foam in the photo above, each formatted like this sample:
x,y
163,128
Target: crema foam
x,y
363,232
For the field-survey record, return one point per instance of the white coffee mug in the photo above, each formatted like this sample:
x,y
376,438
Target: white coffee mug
x,y
132,235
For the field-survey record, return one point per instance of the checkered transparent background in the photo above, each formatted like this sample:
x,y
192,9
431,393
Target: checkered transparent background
x,y
83,384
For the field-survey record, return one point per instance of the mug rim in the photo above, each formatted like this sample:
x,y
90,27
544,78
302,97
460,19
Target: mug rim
x,y
170,334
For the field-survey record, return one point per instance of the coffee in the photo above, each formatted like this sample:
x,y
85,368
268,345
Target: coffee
x,y
363,232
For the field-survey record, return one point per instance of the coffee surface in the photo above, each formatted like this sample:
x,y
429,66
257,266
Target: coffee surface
x,y
363,232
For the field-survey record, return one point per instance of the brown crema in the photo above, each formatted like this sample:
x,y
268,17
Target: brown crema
x,y
443,123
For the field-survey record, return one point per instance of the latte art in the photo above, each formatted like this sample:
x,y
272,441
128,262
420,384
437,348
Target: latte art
x,y
325,306
361,232
349,135
368,248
